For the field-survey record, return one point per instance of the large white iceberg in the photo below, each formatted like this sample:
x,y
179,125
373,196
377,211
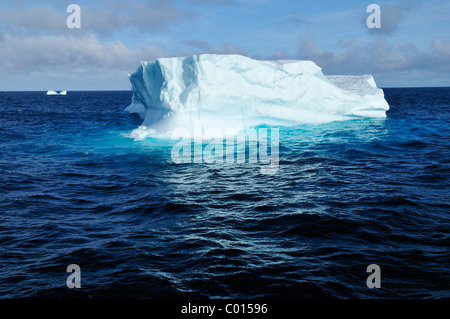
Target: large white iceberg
x,y
232,91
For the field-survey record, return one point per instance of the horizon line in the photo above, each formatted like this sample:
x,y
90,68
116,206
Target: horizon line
x,y
130,90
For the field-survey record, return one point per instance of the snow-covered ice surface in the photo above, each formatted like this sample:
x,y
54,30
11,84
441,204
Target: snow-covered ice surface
x,y
198,92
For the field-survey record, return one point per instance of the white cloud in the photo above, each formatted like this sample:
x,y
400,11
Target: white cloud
x,y
441,48
392,14
32,20
105,18
204,47
230,48
76,54
381,59
197,44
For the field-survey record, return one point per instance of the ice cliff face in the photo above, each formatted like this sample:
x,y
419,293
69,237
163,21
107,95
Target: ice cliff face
x,y
231,91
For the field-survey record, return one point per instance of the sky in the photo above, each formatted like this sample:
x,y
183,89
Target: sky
x,y
39,52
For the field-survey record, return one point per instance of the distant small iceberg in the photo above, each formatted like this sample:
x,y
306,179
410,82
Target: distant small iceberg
x,y
56,93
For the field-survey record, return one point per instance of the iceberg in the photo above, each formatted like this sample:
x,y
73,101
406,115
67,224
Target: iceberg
x,y
205,91
56,93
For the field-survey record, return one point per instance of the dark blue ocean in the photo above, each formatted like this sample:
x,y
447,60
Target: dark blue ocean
x,y
74,189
